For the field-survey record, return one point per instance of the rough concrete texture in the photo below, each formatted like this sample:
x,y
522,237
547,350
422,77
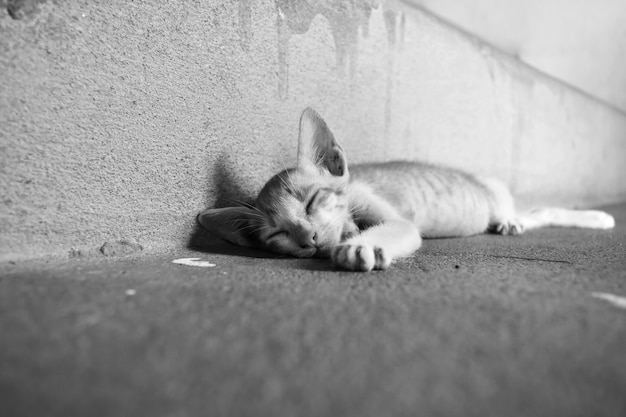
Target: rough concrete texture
x,y
19,9
120,121
484,326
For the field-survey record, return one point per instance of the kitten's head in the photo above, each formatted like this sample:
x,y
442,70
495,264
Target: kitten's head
x,y
302,211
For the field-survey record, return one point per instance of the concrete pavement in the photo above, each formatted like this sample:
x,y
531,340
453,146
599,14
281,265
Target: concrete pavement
x,y
483,326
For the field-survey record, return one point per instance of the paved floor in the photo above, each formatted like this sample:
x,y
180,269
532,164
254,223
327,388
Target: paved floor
x,y
485,326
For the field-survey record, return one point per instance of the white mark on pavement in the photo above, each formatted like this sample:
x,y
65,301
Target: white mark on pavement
x,y
130,292
616,300
193,262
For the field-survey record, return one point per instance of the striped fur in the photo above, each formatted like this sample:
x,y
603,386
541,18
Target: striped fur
x,y
365,216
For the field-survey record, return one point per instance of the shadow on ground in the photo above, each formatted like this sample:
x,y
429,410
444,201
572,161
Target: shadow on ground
x,y
229,193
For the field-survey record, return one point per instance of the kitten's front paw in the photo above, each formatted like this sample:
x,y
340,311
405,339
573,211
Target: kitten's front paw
x,y
355,257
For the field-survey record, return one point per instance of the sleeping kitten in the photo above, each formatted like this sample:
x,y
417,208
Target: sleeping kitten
x,y
366,217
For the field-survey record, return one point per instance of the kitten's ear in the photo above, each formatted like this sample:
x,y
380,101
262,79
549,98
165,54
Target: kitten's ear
x,y
234,224
318,147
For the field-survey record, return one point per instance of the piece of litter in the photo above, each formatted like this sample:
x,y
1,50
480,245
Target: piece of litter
x,y
616,300
131,292
193,262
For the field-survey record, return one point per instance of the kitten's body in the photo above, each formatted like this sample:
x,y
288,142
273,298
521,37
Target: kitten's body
x,y
365,218
441,202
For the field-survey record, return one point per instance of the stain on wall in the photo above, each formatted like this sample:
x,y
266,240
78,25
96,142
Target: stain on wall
x,y
348,21
245,23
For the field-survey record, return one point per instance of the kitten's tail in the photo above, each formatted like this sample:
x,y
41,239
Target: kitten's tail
x,y
559,217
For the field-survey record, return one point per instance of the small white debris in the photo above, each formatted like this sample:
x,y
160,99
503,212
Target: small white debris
x,y
616,300
193,262
130,292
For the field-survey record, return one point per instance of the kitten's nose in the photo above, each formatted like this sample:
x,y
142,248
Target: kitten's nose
x,y
307,239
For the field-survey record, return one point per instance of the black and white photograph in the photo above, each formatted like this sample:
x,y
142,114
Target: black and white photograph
x,y
312,208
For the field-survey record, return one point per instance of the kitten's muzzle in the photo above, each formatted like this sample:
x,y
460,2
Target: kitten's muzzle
x,y
306,239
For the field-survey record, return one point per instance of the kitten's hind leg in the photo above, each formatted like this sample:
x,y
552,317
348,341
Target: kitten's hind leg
x,y
502,217
559,217
507,227
504,220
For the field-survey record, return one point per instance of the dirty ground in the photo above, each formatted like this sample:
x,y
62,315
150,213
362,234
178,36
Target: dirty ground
x,y
482,326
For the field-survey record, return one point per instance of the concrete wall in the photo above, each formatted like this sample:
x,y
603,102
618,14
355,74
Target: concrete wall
x,y
121,120
581,42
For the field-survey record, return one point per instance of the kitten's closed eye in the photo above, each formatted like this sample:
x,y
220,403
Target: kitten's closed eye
x,y
324,198
280,233
309,206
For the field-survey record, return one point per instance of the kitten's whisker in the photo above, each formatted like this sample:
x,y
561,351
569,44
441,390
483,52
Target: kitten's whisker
x,y
253,215
251,207
282,161
287,182
291,183
287,173
251,228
